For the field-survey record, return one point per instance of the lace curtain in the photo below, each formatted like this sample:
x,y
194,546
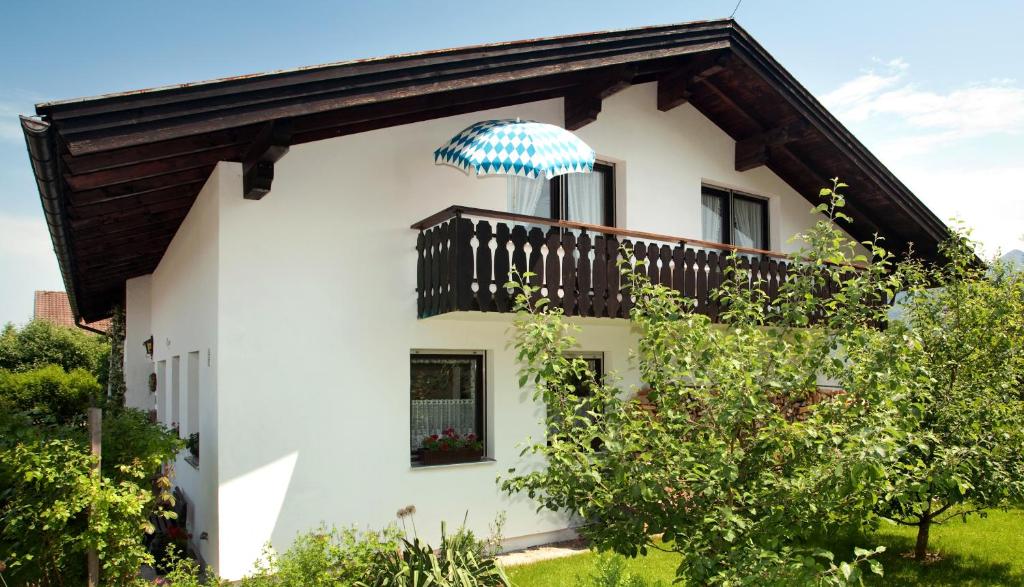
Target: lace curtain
x,y
585,197
529,196
748,221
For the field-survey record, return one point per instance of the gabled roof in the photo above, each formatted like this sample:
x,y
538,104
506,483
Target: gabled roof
x,y
118,173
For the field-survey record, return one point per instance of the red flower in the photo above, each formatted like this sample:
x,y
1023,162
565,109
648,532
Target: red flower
x,y
177,533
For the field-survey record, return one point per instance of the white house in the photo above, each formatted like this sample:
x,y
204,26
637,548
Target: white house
x,y
258,229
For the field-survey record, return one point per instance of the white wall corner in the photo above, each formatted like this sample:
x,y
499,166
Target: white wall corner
x,y
138,328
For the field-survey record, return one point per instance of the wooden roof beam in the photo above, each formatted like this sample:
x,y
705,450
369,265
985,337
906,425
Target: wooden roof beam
x,y
752,152
676,87
584,104
267,149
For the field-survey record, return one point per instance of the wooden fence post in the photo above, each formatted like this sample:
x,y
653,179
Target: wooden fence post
x,y
95,437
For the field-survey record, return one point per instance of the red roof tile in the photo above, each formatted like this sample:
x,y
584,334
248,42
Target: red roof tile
x,y
53,306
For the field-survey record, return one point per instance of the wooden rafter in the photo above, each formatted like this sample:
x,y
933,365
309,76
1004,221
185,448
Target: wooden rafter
x,y
267,149
583,104
752,152
675,87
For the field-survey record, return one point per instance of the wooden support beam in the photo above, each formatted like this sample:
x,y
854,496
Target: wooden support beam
x,y
582,105
676,87
267,149
753,151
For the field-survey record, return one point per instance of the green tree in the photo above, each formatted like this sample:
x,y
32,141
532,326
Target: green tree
x,y
736,483
966,453
41,343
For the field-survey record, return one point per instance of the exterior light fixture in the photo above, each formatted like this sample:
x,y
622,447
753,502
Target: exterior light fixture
x,y
148,343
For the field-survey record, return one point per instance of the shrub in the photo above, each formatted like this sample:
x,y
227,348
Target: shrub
x,y
185,572
459,562
130,439
50,393
328,556
41,343
55,509
47,489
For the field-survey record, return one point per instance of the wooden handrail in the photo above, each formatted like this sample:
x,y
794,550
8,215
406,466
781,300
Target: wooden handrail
x,y
458,211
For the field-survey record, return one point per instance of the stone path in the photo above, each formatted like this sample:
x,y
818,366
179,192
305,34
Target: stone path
x,y
541,553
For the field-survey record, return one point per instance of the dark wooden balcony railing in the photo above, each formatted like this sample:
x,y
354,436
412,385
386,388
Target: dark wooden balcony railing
x,y
465,256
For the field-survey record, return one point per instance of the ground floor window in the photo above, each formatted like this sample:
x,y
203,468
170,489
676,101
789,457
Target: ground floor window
x,y
446,407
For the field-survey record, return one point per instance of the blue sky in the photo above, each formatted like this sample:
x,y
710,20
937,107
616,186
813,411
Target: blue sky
x,y
935,89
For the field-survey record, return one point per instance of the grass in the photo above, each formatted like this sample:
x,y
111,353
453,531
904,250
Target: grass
x,y
984,551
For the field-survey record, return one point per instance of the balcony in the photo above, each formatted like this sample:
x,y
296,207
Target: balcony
x,y
465,256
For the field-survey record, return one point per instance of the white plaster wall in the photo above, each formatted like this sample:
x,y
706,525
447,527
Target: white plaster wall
x,y
137,366
183,293
667,155
315,305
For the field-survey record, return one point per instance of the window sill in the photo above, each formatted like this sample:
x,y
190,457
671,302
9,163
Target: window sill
x,y
478,462
192,461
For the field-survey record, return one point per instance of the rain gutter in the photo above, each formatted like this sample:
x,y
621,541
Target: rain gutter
x,y
42,154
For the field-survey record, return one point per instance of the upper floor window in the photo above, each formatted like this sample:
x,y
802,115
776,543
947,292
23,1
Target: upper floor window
x,y
734,218
580,197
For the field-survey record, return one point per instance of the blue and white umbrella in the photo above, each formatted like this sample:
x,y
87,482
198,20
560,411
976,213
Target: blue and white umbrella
x,y
515,147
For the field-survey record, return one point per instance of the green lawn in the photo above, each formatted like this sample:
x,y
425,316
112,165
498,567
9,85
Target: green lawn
x,y
981,552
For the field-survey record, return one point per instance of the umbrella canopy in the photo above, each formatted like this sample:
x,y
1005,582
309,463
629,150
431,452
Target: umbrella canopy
x,y
515,147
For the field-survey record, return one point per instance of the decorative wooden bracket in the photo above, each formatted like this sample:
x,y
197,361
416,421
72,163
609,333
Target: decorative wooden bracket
x,y
675,88
258,165
752,151
584,104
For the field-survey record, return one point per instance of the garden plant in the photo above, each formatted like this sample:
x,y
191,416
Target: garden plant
x,y
724,465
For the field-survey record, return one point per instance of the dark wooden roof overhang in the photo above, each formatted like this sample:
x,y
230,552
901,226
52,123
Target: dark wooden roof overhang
x,y
118,173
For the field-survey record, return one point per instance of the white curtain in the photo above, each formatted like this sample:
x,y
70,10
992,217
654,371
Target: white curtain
x,y
711,218
529,196
586,197
749,222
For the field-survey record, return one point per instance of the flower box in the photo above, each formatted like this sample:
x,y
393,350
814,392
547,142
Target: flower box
x,y
447,457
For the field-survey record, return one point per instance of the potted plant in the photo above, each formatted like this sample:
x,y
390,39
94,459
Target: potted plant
x,y
450,447
193,445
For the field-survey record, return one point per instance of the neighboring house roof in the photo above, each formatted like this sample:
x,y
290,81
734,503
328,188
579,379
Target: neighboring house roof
x,y
53,306
118,173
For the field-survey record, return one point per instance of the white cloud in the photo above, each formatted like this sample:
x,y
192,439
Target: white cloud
x,y
932,140
923,120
